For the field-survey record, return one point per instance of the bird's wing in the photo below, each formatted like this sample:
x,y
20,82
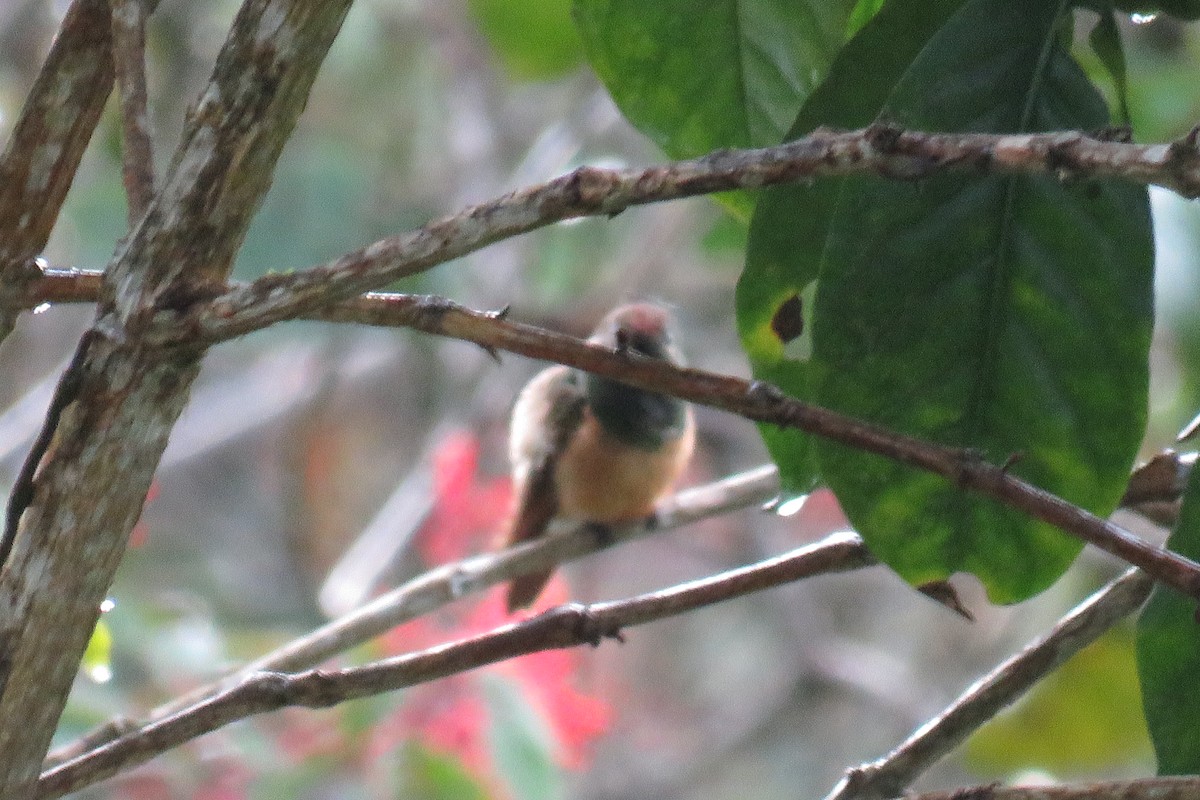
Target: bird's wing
x,y
547,414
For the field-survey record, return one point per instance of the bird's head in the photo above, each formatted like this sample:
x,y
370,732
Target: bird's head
x,y
642,328
635,416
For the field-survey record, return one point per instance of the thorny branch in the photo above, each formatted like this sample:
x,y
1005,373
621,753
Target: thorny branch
x,y
564,626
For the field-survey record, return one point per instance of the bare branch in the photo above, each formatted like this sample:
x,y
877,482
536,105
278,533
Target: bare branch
x,y
129,59
63,285
41,157
1155,489
761,402
1162,788
593,191
450,582
565,626
765,403
889,776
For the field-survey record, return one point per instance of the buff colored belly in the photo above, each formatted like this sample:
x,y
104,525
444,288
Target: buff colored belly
x,y
603,480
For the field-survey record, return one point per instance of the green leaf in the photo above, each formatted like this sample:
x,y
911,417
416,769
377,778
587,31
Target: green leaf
x,y
1009,315
534,39
522,746
696,77
97,658
1083,717
790,226
1168,653
861,14
1105,40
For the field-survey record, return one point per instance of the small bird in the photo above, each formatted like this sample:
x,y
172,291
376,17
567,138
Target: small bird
x,y
590,448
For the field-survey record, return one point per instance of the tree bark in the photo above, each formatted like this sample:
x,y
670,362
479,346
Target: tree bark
x,y
119,399
41,156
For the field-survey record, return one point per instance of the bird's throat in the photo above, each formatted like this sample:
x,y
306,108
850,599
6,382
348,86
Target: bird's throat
x,y
634,416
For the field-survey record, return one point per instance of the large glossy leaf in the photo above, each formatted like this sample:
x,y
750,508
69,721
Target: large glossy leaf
x,y
1168,654
1010,315
695,77
790,225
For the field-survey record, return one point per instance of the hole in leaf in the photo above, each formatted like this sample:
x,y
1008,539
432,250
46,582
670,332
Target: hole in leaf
x,y
788,322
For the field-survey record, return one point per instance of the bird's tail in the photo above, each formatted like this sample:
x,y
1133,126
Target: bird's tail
x,y
525,589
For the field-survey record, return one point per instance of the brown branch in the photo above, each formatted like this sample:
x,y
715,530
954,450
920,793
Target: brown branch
x,y
125,396
47,142
889,776
129,59
765,403
1154,487
565,626
593,191
62,285
450,582
1161,788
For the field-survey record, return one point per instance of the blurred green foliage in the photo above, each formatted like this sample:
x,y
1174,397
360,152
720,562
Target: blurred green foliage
x,y
1085,717
535,39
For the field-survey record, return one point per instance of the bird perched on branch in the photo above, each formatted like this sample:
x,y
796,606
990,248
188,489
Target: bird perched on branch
x,y
593,449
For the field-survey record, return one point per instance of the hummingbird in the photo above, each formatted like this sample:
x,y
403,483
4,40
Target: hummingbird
x,y
594,449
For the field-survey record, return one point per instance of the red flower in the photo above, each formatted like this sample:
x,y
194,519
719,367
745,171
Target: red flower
x,y
467,509
452,716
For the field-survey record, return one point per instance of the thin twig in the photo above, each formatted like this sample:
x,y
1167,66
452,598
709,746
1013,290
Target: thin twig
x,y
889,776
1161,788
129,62
47,142
564,626
451,582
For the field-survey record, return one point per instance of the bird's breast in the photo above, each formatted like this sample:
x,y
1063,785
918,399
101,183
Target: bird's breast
x,y
601,479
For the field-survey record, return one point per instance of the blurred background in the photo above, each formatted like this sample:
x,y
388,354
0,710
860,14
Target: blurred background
x,y
298,437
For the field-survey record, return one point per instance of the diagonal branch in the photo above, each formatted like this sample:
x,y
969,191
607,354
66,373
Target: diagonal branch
x,y
763,402
889,776
565,626
443,585
451,582
1185,787
129,60
47,143
116,405
593,191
